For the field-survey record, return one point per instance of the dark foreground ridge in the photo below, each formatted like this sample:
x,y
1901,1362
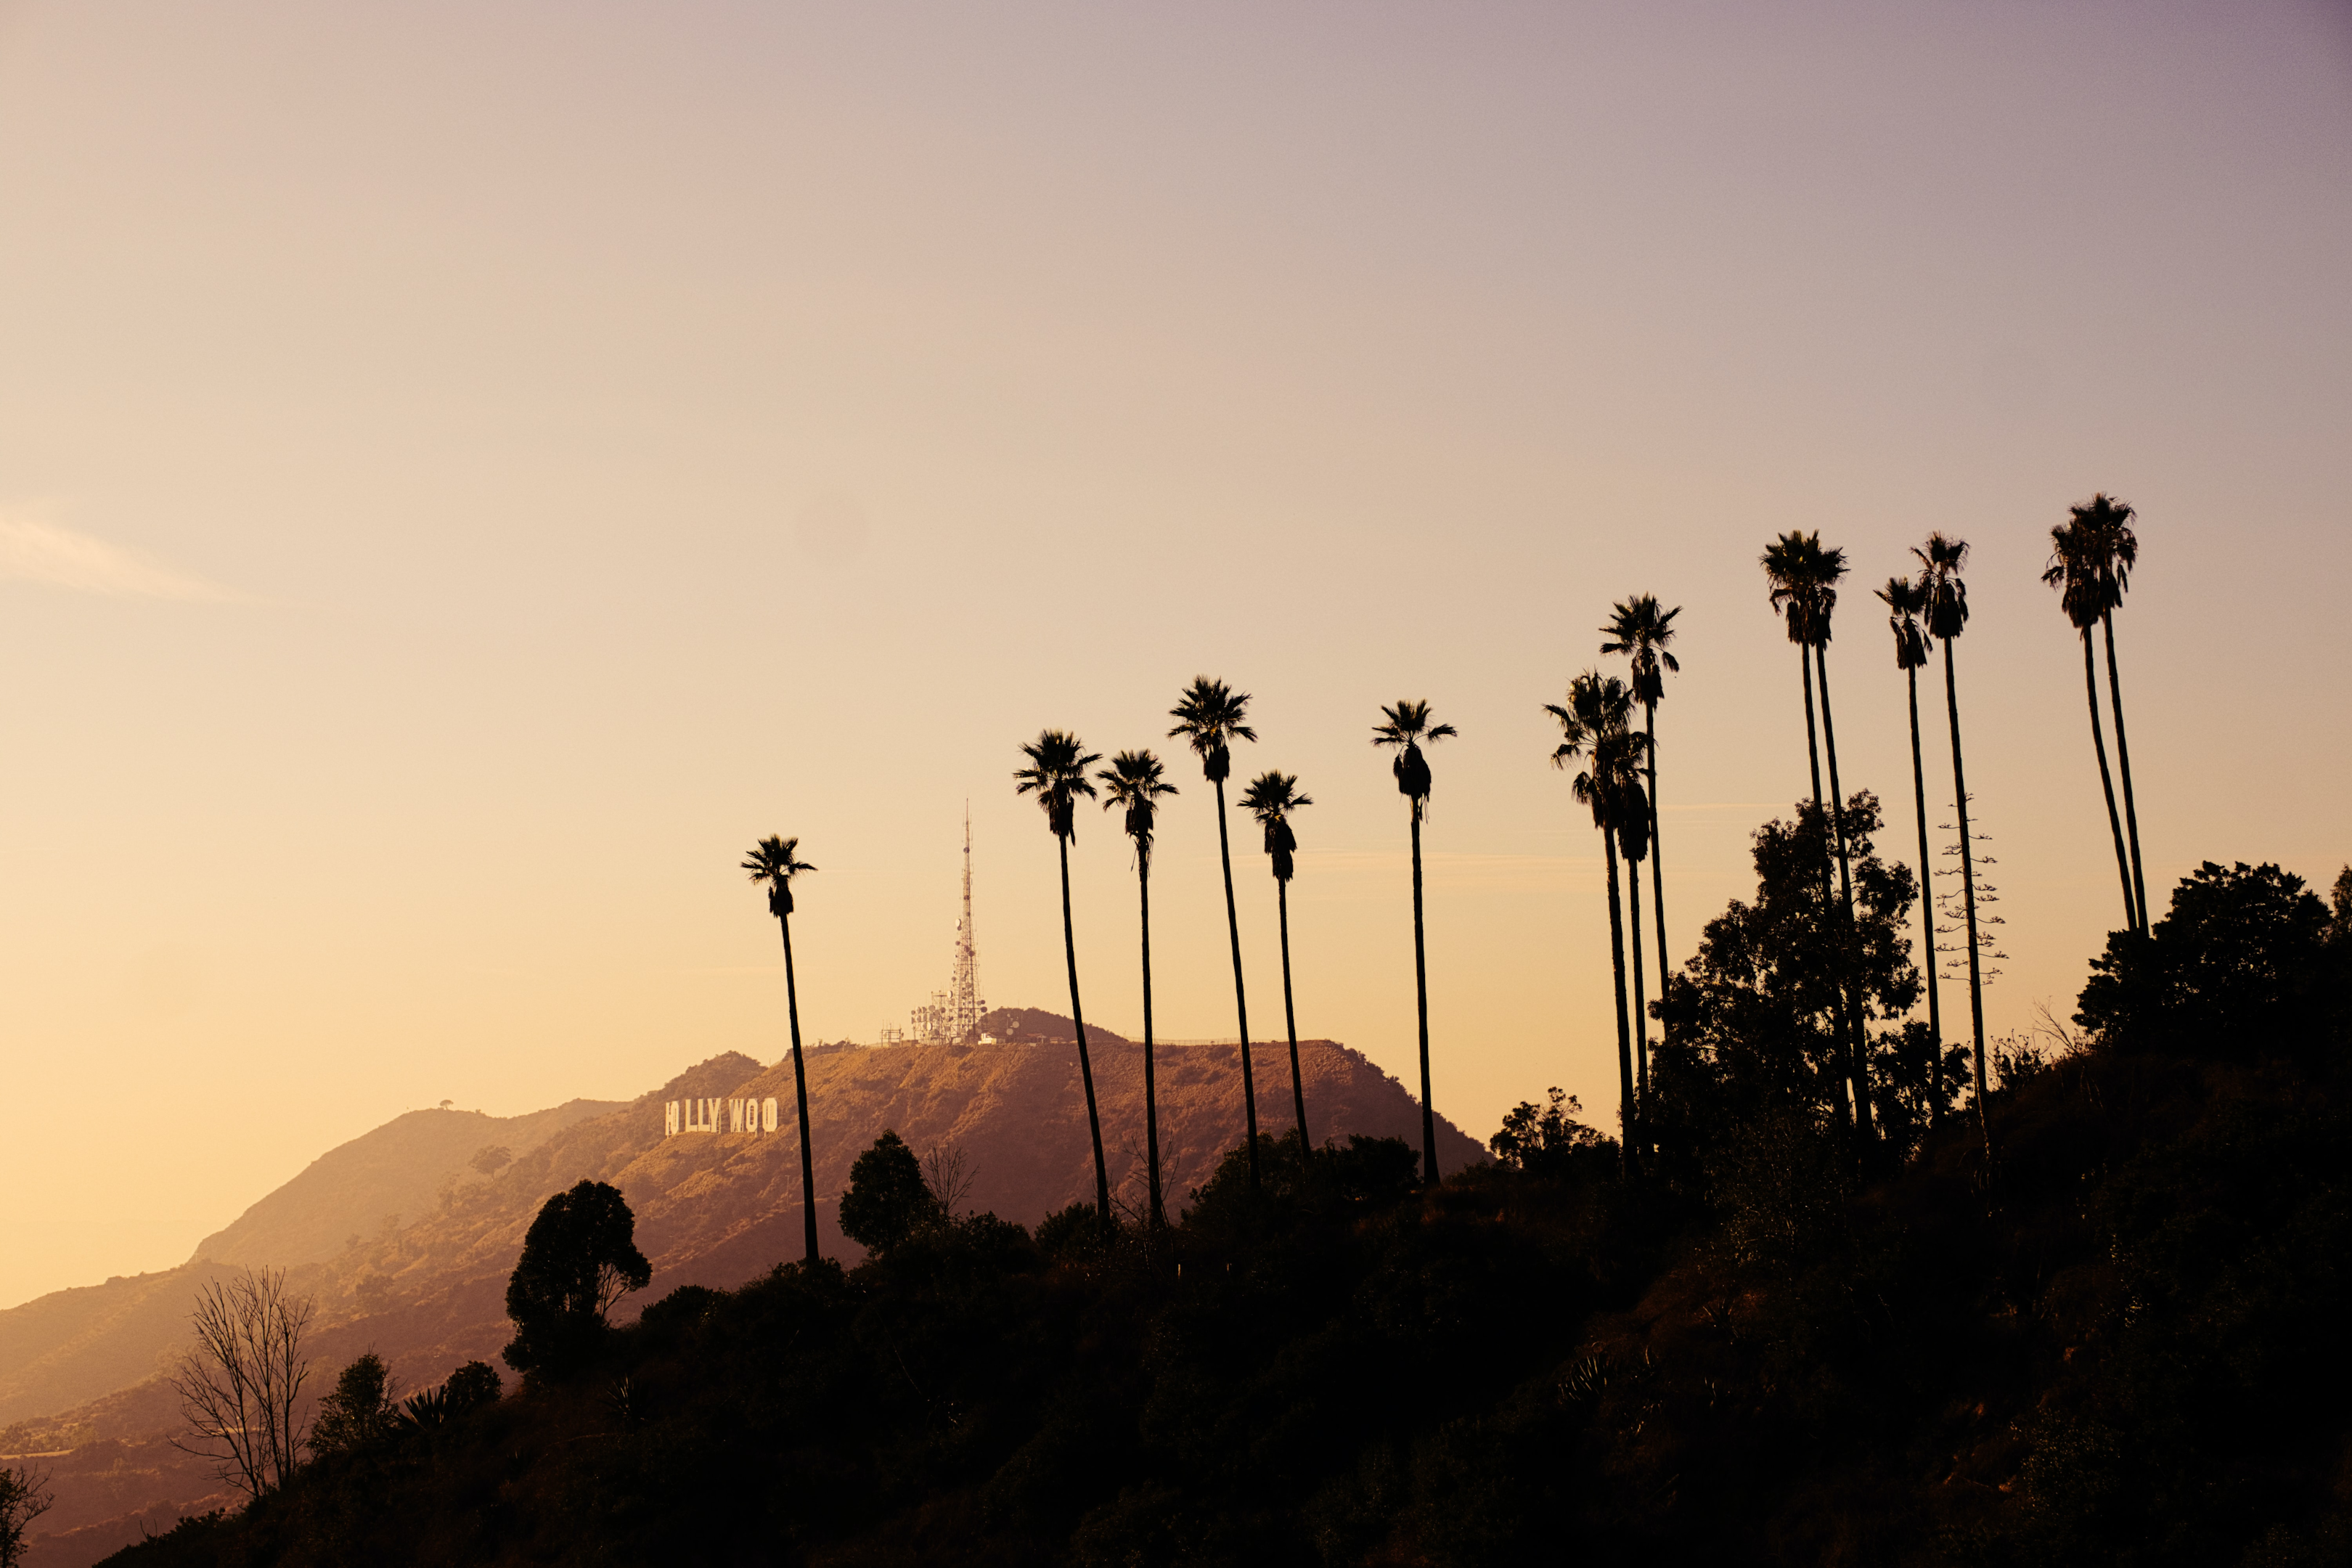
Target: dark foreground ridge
x,y
2126,1347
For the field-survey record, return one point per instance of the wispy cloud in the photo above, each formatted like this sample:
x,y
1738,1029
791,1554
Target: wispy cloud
x,y
32,550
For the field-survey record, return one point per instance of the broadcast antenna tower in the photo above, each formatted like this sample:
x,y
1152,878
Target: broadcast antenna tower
x,y
951,1017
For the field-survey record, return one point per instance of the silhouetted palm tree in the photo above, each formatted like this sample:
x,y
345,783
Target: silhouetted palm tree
x,y
774,863
1134,783
1804,578
1904,601
1271,798
1946,605
1596,725
2092,556
1056,775
1633,821
1408,730
1639,630
1208,716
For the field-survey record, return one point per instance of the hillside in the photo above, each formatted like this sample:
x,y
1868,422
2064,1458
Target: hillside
x,y
427,1293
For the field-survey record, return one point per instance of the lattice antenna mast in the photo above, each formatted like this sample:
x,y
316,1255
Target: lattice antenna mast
x,y
963,989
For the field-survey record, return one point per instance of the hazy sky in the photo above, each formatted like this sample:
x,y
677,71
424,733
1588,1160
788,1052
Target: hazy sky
x,y
465,471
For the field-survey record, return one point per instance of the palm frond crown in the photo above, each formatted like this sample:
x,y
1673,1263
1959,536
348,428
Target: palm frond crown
x,y
1803,576
1904,600
2091,558
1271,797
775,862
1408,729
1941,561
1596,727
1056,775
1209,716
1639,630
1134,782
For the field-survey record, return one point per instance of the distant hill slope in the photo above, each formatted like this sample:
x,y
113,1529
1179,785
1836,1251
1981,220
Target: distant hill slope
x,y
393,1172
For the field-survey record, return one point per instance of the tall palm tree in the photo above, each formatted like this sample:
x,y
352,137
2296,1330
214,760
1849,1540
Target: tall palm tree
x,y
1209,717
1406,731
773,862
1941,559
1596,726
1134,783
1804,576
2073,571
1271,797
1056,775
1639,630
1904,601
2104,549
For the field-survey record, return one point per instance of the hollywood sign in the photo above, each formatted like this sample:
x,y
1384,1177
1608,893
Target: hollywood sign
x,y
718,1115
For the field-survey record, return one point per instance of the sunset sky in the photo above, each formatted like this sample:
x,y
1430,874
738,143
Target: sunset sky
x,y
467,472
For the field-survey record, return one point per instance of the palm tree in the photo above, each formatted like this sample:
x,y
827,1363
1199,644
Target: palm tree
x,y
1634,843
1407,729
1904,601
1596,725
1639,630
1804,578
2092,556
1271,798
774,863
1134,783
1208,716
1056,775
1946,605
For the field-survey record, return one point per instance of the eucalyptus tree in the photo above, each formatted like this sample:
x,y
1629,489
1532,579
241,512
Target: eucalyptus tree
x,y
1135,782
772,863
1945,596
1595,726
1271,797
1209,716
1056,775
1906,601
1405,730
2091,560
1639,630
1803,577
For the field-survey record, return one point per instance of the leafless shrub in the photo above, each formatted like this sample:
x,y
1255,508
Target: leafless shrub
x,y
945,1175
239,1386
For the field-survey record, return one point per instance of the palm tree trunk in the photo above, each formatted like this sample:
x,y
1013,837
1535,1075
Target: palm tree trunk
x,y
1968,898
800,1088
1290,1023
1641,1014
1926,914
1240,998
1628,1104
1857,1054
2122,757
1812,743
1420,998
1078,1023
1657,868
2107,783
1159,1214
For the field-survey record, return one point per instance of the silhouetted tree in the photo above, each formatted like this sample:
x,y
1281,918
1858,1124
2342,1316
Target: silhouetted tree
x,y
1209,717
887,1200
579,1256
1271,798
774,863
1595,725
2077,562
241,1387
1549,1141
1056,775
1804,577
1405,730
1904,602
1639,630
1941,561
1134,784
359,1411
25,1496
